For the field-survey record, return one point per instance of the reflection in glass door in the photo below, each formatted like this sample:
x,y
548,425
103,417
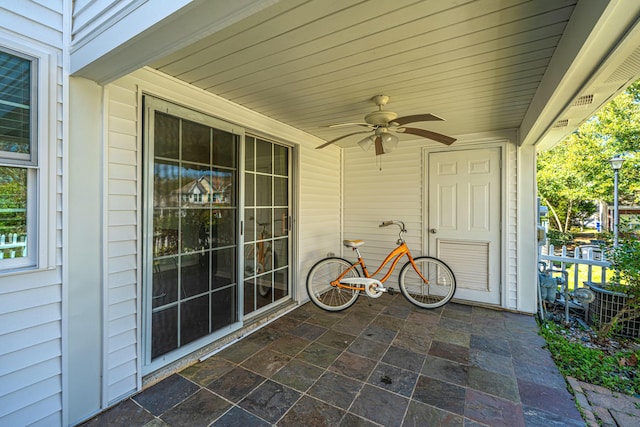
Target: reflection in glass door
x,y
191,213
266,223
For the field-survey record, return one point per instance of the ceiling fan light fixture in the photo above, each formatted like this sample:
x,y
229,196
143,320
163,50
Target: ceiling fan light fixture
x,y
389,142
366,143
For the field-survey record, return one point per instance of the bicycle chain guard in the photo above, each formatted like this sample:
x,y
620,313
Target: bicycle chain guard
x,y
373,289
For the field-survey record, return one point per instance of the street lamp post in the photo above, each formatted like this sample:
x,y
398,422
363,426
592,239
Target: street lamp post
x,y
616,164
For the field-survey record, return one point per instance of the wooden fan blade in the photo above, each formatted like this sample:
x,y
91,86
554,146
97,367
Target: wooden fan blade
x,y
339,125
339,138
379,147
444,139
417,118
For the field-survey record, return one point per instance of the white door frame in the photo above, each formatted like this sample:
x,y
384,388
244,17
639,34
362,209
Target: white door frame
x,y
500,143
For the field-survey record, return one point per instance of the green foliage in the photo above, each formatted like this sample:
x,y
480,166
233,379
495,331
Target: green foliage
x,y
13,200
625,263
618,372
559,238
577,172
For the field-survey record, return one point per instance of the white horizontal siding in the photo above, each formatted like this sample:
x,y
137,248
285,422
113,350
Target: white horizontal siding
x,y
320,209
31,317
122,248
382,188
510,227
27,337
89,15
40,24
31,303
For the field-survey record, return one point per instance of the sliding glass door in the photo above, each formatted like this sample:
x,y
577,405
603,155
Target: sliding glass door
x,y
217,238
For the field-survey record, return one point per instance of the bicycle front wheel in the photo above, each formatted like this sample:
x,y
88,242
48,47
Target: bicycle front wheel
x,y
320,290
435,290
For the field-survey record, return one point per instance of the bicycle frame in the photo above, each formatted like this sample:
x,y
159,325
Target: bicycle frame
x,y
395,255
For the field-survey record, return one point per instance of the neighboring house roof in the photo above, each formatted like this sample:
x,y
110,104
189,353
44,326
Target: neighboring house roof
x,y
541,67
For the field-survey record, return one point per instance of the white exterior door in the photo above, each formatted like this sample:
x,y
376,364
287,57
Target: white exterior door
x,y
464,218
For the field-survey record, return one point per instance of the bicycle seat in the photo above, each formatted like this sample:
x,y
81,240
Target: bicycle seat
x,y
353,243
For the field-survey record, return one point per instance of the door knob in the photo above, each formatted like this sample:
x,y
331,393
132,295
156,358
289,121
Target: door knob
x,y
433,231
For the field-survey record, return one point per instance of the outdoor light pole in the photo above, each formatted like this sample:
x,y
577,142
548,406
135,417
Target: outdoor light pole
x,y
616,164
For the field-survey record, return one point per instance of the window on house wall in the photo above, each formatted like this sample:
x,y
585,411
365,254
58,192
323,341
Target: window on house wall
x,y
18,159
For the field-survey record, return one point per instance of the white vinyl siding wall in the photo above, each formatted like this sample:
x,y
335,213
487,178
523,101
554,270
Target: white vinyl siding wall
x,y
320,209
391,188
31,302
122,252
373,195
510,227
90,15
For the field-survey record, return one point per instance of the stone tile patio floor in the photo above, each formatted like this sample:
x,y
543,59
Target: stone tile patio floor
x,y
606,408
380,362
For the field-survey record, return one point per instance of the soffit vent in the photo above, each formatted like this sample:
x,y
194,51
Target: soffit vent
x,y
627,70
583,100
561,124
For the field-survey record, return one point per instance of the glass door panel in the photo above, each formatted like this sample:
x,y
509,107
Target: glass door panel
x,y
266,224
192,190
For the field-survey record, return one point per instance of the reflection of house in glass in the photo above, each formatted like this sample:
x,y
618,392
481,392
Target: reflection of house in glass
x,y
201,188
207,190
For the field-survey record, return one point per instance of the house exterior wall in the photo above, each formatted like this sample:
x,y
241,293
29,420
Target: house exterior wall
x,y
113,288
31,302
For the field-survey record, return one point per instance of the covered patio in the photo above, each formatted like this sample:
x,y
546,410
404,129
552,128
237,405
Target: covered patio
x,y
382,362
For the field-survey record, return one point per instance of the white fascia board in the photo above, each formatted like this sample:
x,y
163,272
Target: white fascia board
x,y
592,34
152,30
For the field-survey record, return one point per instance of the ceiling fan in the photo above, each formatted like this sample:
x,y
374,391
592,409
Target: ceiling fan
x,y
383,123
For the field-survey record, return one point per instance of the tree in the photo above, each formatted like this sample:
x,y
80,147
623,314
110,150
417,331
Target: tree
x,y
13,200
576,172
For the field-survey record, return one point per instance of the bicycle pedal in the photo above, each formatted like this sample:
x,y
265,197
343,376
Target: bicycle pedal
x,y
391,291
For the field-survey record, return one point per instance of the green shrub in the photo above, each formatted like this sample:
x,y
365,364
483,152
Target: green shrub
x,y
559,238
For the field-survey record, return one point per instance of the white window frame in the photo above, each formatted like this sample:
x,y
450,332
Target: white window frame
x,y
42,180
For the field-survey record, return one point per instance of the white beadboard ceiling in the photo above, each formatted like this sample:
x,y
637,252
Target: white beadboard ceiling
x,y
479,64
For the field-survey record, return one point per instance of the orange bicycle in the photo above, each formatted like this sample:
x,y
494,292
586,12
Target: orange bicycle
x,y
260,258
334,283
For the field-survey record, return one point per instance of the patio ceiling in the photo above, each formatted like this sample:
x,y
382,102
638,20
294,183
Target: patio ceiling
x,y
540,67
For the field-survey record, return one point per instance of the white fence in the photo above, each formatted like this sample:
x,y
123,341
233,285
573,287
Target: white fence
x,y
590,256
12,245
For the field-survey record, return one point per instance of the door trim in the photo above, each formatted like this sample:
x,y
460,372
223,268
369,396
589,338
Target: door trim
x,y
501,144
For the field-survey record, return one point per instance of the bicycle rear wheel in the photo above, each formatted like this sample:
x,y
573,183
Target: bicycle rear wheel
x,y
439,287
320,290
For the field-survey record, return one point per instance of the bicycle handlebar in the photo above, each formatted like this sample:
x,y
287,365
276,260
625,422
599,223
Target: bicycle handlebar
x,y
398,223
